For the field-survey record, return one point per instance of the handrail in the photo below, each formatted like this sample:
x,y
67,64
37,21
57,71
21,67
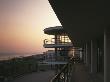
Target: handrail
x,y
52,41
64,74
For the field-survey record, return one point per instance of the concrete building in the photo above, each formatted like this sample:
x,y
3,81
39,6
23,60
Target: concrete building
x,y
88,26
61,42
61,45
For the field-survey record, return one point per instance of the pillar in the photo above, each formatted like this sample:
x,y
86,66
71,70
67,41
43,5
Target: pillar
x,y
107,55
56,48
84,53
88,54
93,56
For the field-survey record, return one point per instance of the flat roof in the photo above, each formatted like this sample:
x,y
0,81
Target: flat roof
x,y
54,30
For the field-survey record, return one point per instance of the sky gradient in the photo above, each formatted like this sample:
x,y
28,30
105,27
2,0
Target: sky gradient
x,y
22,23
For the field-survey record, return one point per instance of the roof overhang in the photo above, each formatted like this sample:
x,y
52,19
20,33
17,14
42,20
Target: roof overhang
x,y
83,20
54,30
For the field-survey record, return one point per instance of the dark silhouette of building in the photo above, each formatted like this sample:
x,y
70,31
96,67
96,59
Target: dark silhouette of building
x,y
61,43
87,25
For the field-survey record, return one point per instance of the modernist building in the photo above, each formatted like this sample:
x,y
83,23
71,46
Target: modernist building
x,y
61,44
88,26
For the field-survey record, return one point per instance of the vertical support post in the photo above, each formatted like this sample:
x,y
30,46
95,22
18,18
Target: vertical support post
x,y
88,54
107,55
56,48
93,56
67,72
65,75
84,53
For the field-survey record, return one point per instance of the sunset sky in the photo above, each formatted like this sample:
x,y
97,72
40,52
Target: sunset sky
x,y
22,23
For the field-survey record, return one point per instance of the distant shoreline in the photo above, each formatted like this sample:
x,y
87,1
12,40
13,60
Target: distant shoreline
x,y
9,56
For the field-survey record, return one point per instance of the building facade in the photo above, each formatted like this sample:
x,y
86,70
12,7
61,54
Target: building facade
x,y
87,25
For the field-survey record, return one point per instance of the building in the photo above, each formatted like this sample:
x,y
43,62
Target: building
x,y
61,42
61,45
87,25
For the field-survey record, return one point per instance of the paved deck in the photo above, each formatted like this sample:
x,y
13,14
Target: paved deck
x,y
36,77
81,74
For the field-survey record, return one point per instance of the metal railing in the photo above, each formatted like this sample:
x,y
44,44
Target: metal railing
x,y
52,41
65,74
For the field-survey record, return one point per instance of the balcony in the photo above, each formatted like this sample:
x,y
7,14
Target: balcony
x,y
76,71
65,73
59,44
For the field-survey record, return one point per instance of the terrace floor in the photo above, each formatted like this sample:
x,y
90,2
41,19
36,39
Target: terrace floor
x,y
44,76
81,74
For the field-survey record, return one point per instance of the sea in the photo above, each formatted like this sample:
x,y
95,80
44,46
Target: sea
x,y
7,56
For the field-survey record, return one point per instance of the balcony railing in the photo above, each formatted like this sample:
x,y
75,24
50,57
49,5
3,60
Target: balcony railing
x,y
65,74
51,41
59,42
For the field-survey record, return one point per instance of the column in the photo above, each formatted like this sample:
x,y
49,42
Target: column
x,y
56,48
88,54
93,56
107,55
84,53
